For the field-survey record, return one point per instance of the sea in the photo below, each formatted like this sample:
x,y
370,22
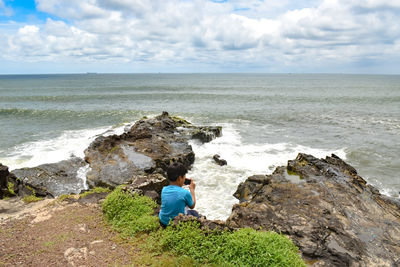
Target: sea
x,y
267,119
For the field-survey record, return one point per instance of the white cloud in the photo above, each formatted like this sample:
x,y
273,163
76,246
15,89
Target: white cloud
x,y
258,34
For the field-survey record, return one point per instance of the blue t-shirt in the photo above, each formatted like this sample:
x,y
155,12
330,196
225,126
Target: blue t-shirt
x,y
174,199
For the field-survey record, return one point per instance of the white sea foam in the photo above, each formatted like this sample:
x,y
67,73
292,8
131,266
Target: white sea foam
x,y
69,143
81,174
216,184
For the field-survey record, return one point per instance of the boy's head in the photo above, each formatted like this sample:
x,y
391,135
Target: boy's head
x,y
175,170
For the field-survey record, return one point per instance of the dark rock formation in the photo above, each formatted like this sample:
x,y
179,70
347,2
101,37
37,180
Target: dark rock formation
x,y
51,179
8,183
330,212
206,133
3,180
149,147
219,161
138,158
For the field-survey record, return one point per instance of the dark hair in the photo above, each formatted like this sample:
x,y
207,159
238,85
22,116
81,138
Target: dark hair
x,y
175,170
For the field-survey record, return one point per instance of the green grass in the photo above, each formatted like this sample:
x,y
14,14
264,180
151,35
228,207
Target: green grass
x,y
188,245
130,214
245,247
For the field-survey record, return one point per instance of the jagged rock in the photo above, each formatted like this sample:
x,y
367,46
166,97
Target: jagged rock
x,y
219,161
149,185
149,147
246,190
331,213
8,183
207,133
51,179
3,180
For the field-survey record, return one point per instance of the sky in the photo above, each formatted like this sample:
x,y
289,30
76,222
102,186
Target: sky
x,y
200,36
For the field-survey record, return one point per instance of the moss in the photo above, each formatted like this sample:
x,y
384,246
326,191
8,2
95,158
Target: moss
x,y
31,198
112,150
11,188
31,189
293,173
180,121
64,197
96,190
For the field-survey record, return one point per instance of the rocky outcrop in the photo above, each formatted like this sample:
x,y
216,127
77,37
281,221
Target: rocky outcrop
x,y
326,208
52,179
138,158
206,133
8,185
147,148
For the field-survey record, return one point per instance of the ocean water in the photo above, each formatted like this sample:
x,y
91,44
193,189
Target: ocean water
x,y
267,120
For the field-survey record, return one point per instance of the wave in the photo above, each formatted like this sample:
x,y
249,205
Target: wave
x,y
217,184
67,114
69,143
164,92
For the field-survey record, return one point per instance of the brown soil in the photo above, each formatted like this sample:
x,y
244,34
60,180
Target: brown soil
x,y
60,233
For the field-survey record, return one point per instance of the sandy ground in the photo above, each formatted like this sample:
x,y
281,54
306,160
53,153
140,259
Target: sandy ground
x,y
60,233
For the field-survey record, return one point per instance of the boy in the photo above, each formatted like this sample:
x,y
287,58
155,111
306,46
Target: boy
x,y
174,198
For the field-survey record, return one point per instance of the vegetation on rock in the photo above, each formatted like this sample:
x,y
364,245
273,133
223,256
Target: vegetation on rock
x,y
133,214
95,190
31,198
11,188
180,121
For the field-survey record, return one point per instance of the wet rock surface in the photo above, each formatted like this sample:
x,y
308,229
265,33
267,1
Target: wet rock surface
x,y
137,158
219,161
147,148
51,179
326,208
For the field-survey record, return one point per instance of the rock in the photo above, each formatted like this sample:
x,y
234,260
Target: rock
x,y
253,184
3,180
149,185
219,161
76,256
52,179
148,147
331,213
207,133
8,183
138,158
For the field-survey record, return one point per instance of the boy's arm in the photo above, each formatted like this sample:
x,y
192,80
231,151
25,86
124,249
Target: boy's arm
x,y
192,186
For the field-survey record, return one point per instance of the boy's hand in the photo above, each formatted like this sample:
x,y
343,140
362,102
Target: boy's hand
x,y
192,185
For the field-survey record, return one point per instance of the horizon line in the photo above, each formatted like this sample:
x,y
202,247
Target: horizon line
x,y
272,73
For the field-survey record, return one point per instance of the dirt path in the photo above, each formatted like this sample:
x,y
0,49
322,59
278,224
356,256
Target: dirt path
x,y
59,233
